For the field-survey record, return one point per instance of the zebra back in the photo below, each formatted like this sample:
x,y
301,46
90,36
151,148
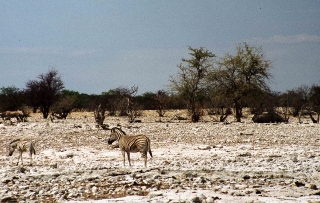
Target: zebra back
x,y
133,143
22,146
15,140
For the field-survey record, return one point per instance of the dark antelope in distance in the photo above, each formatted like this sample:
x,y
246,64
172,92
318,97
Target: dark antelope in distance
x,y
22,146
134,143
7,115
269,118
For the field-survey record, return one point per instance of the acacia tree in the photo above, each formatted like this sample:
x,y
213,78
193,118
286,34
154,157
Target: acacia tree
x,y
241,76
43,93
189,82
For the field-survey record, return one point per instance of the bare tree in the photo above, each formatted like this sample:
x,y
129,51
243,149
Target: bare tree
x,y
45,92
133,110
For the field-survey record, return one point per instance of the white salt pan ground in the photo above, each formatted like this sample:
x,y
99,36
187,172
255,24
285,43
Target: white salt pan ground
x,y
193,162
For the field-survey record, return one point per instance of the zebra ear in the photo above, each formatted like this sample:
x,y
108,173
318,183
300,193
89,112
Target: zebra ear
x,y
119,126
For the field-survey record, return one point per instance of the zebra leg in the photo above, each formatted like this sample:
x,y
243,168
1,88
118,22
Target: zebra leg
x,y
145,159
124,158
18,160
30,159
31,151
20,157
128,154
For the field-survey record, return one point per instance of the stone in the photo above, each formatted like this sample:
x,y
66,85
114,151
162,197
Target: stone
x,y
210,200
313,187
94,189
195,200
204,147
202,197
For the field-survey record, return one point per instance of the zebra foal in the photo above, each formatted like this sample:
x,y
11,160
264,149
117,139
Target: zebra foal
x,y
134,143
22,146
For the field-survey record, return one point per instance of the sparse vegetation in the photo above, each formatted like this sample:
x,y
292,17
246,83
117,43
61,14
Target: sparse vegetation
x,y
204,84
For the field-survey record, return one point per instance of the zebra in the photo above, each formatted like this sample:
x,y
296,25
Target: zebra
x,y
127,144
22,146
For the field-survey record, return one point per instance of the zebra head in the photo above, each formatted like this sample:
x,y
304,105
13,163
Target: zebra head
x,y
12,146
116,133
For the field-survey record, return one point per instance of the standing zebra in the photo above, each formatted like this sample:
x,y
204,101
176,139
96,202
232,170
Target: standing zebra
x,y
135,143
22,146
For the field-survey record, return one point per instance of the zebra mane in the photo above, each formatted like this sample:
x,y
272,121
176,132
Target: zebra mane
x,y
119,129
15,140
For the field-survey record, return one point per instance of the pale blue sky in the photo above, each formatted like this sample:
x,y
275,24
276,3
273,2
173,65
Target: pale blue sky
x,y
101,45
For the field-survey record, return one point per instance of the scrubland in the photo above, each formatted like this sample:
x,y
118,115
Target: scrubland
x,y
203,162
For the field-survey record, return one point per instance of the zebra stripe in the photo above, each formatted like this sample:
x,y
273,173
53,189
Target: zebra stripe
x,y
127,144
22,146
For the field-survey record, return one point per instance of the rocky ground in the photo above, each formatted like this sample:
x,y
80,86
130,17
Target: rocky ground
x,y
192,162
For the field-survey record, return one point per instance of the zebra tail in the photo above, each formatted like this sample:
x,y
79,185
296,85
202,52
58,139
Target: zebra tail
x,y
150,152
32,149
150,149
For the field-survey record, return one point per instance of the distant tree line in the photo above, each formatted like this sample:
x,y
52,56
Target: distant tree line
x,y
204,82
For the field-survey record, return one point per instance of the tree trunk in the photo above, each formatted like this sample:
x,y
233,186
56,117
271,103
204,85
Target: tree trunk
x,y
45,112
194,114
34,109
193,111
296,112
238,108
238,114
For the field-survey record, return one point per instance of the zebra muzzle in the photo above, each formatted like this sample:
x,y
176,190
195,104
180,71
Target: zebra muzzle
x,y
110,141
